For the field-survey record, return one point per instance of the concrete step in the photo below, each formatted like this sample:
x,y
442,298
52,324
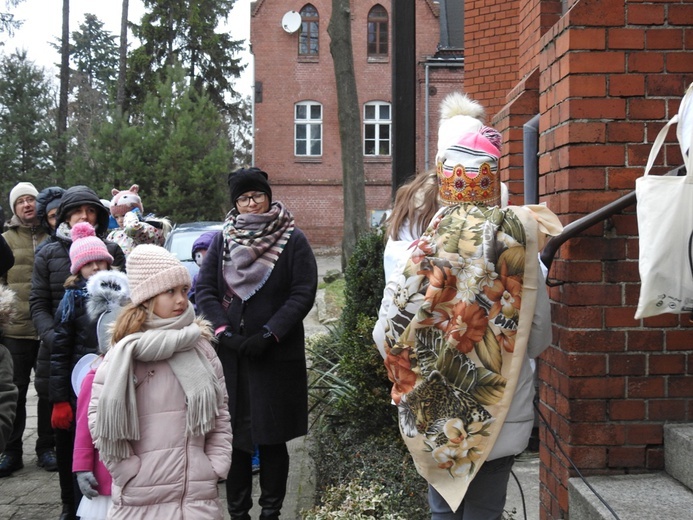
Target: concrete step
x,y
678,452
651,496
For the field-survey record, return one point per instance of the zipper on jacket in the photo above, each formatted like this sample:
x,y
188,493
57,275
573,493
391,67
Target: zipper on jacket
x,y
150,374
185,478
241,327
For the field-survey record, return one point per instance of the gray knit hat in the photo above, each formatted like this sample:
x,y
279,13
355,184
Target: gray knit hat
x,y
152,270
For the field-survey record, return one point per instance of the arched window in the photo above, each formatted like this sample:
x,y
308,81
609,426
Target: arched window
x,y
377,32
308,37
377,122
308,129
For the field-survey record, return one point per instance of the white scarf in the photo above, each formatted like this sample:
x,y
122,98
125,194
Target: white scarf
x,y
173,340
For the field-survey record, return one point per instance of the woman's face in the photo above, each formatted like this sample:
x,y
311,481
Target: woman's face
x,y
84,213
171,303
253,202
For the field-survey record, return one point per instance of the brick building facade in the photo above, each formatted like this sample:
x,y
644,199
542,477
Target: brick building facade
x,y
311,186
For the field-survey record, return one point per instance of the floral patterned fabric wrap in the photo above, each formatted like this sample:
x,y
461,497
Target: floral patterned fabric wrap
x,y
456,334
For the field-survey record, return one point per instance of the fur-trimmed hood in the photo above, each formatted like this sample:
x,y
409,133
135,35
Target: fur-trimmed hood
x,y
109,293
8,307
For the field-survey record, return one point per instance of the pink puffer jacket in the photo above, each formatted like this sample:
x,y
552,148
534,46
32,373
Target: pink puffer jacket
x,y
168,476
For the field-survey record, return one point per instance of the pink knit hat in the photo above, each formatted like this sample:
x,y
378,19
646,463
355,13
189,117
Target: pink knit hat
x,y
86,247
153,270
125,200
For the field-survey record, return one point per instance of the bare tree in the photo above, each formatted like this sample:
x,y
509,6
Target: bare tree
x,y
355,221
61,153
122,63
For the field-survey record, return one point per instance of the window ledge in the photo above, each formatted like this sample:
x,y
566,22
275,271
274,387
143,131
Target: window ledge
x,y
309,59
307,158
377,158
378,59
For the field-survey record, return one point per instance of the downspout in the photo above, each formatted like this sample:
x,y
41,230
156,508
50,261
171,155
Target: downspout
x,y
427,131
458,63
252,108
530,161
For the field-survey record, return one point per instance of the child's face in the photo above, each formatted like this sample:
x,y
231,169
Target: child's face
x,y
93,267
200,255
119,220
172,303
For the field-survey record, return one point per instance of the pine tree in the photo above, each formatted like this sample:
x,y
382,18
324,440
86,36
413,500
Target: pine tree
x,y
177,149
184,31
27,116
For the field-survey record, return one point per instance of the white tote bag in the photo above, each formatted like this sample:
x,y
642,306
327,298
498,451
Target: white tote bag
x,y
665,223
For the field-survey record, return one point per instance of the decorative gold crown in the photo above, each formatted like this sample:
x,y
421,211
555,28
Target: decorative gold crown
x,y
474,185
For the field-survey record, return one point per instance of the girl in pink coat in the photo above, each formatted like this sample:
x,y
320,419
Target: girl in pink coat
x,y
158,412
108,293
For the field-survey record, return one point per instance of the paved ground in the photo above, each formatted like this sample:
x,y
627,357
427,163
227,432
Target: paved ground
x,y
34,494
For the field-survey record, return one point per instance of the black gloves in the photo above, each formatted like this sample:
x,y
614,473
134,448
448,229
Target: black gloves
x,y
257,344
230,341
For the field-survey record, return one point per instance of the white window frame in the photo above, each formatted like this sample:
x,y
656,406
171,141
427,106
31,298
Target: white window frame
x,y
378,123
312,127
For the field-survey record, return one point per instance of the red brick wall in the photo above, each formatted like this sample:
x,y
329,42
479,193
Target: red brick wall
x,y
309,186
604,76
491,50
611,73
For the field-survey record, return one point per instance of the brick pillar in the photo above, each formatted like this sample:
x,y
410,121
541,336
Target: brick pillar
x,y
611,73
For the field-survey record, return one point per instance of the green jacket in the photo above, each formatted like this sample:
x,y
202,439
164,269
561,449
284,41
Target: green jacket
x,y
23,241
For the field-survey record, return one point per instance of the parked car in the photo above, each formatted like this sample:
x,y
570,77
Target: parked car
x,y
181,238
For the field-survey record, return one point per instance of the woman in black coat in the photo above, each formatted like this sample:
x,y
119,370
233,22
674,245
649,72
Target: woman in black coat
x,y
51,269
256,284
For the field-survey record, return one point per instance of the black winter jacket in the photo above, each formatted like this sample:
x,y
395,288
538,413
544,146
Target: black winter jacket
x,y
277,382
51,269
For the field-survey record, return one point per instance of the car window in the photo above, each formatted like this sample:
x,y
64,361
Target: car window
x,y
181,244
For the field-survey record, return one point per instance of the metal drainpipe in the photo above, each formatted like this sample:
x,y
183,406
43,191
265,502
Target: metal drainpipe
x,y
426,121
449,65
530,161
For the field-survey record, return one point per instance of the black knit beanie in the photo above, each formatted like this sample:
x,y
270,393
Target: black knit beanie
x,y
248,179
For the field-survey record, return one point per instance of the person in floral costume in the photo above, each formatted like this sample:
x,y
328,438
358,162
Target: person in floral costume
x,y
461,318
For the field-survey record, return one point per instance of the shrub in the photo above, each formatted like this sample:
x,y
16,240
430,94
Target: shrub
x,y
355,500
354,426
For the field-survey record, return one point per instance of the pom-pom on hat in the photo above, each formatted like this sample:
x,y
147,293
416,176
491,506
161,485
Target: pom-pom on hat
x,y
248,179
20,190
468,153
152,270
459,115
125,200
86,247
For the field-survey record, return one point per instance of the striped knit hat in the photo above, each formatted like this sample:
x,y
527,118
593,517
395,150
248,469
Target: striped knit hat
x,y
152,270
86,247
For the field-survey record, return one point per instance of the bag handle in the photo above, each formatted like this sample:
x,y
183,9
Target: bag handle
x,y
685,119
658,143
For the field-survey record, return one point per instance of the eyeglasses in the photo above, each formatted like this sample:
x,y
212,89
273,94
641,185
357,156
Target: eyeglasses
x,y
257,198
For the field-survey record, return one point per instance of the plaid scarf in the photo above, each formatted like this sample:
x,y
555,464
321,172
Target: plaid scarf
x,y
252,245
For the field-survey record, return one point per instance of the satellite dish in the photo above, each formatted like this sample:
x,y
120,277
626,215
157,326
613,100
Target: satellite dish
x,y
291,22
